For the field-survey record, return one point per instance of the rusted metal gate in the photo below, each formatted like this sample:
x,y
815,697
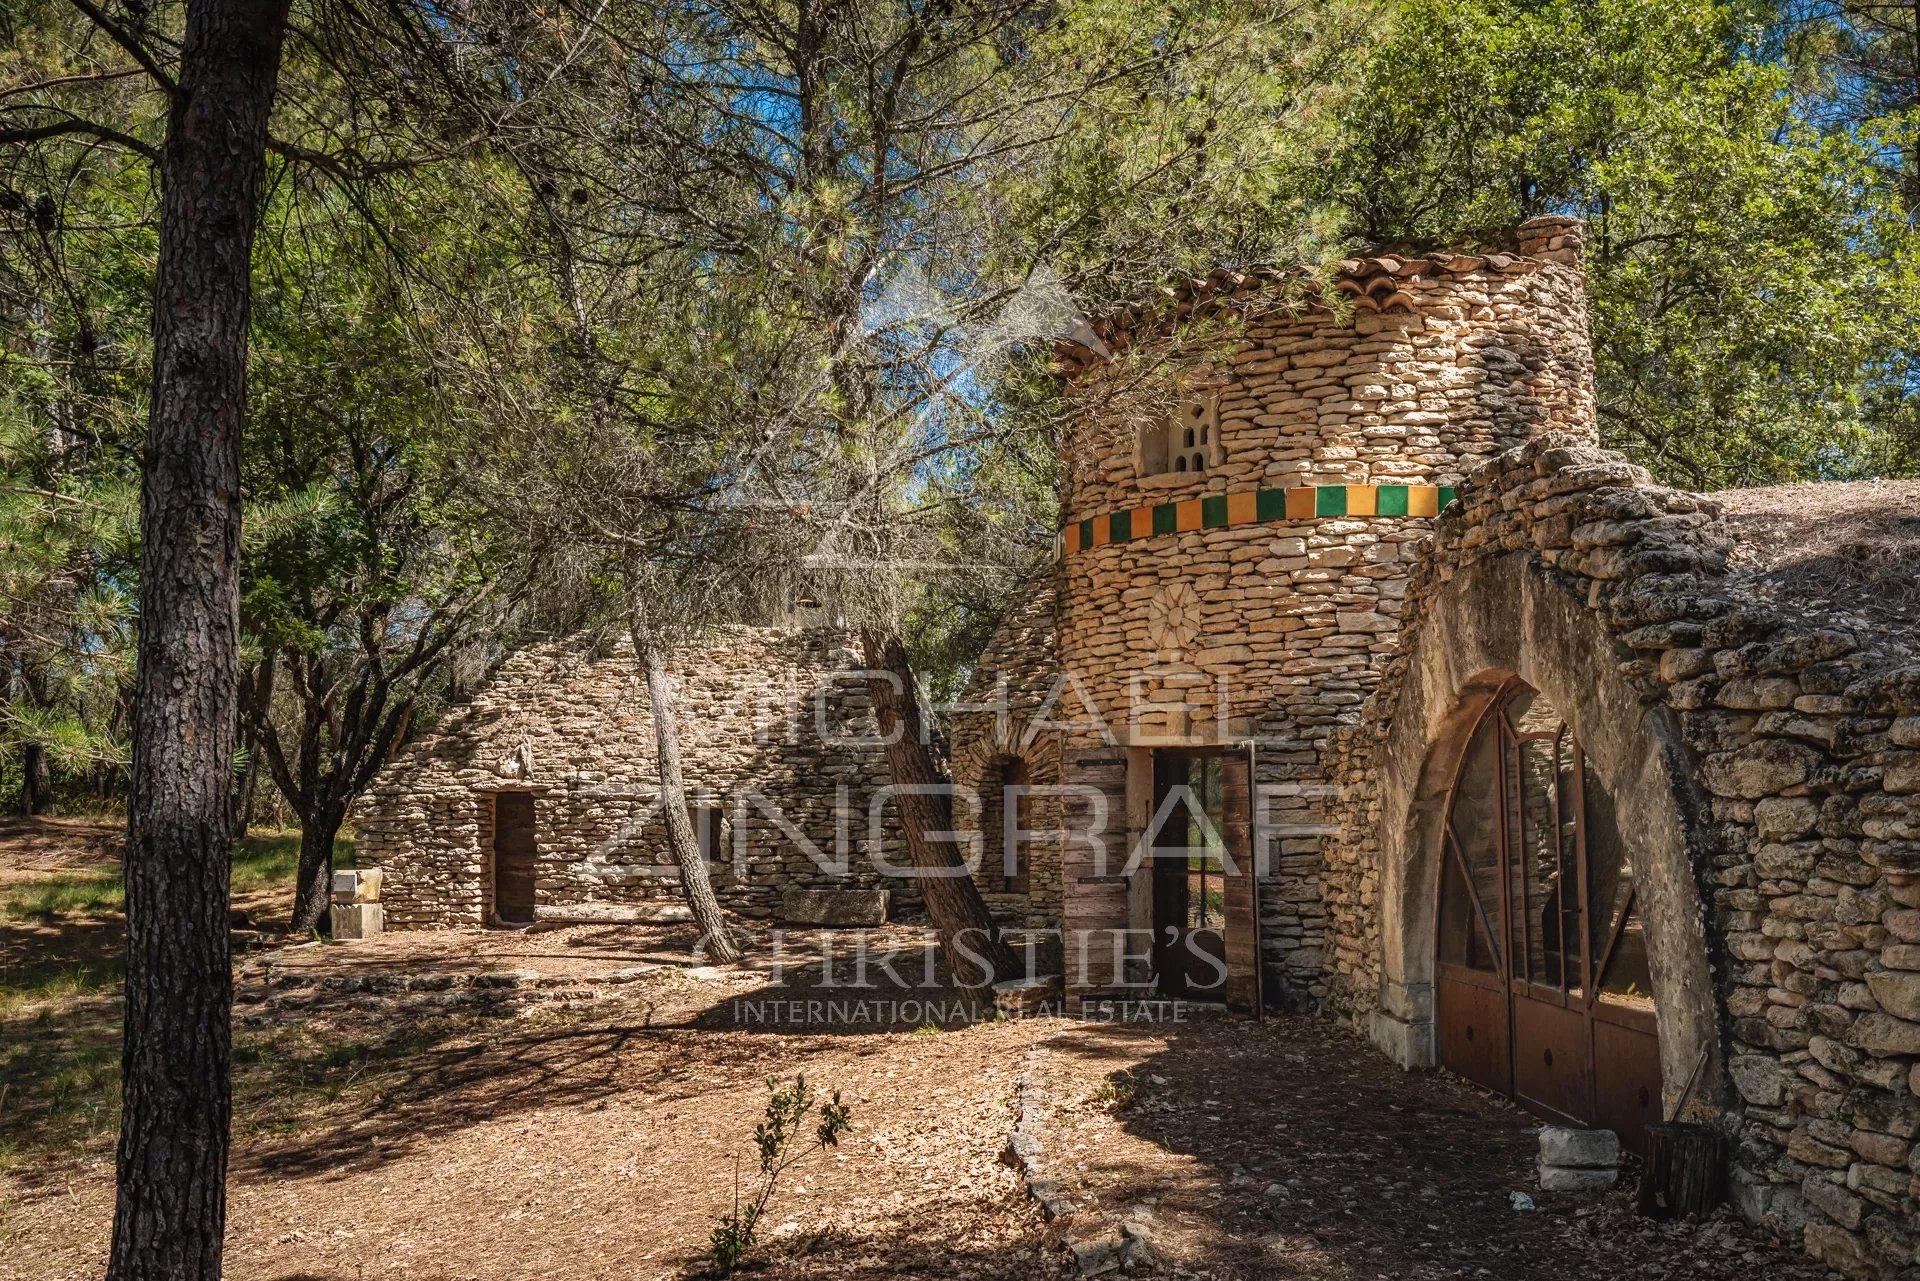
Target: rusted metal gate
x,y
1542,985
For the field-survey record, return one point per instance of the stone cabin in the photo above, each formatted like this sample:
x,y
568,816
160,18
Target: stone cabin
x,y
1363,681
539,798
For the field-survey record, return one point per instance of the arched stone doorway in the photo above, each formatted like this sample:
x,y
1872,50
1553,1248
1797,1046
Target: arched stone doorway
x,y
1543,989
1505,619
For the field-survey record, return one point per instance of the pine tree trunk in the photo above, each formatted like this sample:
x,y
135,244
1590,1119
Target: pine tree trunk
x,y
313,889
959,914
170,1213
36,781
694,880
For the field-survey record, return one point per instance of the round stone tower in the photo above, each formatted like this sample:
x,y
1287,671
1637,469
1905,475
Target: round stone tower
x,y
1252,471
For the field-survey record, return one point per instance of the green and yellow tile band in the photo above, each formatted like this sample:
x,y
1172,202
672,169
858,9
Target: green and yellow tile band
x,y
1251,507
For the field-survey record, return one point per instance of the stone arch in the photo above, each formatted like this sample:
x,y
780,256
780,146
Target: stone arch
x,y
1510,616
996,749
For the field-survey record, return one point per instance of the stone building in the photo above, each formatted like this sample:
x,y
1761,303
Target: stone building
x,y
539,798
1363,681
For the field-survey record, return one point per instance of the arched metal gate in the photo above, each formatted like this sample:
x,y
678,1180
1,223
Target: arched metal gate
x,y
1542,985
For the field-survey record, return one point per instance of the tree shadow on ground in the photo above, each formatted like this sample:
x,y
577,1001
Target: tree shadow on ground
x,y
1290,1149
372,1090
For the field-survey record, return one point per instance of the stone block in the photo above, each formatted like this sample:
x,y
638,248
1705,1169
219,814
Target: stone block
x,y
1833,1200
1577,1179
1839,1249
1761,768
1757,1077
357,885
834,907
1896,991
1562,1146
358,920
1885,1035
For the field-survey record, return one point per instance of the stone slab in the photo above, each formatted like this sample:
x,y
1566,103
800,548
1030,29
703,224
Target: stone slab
x,y
1589,1149
357,885
834,907
1028,996
1566,1178
613,914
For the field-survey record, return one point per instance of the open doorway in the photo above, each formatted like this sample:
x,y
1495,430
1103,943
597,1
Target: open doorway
x,y
1189,874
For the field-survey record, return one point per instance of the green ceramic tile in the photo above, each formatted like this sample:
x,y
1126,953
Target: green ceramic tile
x,y
1165,518
1213,512
1086,533
1121,525
1447,494
1330,500
1270,504
1393,500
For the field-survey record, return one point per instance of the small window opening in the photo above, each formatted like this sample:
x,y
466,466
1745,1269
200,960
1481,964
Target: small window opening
x,y
1187,441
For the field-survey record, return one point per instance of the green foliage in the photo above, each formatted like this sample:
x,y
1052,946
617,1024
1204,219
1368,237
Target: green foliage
x,y
1753,270
781,1139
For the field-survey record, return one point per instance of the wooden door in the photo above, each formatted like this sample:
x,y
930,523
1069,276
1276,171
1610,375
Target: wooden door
x,y
513,857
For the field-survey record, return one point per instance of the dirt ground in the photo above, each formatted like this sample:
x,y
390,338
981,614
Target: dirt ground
x,y
574,1103
1289,1150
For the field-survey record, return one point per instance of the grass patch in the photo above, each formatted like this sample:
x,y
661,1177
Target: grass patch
x,y
260,864
66,894
62,965
34,987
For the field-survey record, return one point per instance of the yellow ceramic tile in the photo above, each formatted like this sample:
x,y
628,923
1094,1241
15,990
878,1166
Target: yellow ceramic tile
x,y
1186,516
1423,500
1143,521
1300,503
1241,508
1102,531
1363,500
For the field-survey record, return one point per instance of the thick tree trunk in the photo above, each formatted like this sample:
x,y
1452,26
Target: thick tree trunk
x,y
968,935
170,1215
36,781
313,890
694,880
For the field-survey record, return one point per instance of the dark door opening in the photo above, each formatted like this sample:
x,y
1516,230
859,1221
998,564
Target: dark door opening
x,y
1542,985
1189,883
513,857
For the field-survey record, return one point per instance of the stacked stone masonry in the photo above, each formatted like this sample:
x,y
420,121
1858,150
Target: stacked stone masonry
x,y
1804,740
1275,632
777,735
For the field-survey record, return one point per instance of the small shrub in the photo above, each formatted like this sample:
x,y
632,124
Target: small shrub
x,y
1117,1091
781,1139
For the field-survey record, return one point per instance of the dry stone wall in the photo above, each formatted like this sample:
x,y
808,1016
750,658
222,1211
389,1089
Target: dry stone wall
x,y
1272,622
776,731
1804,738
